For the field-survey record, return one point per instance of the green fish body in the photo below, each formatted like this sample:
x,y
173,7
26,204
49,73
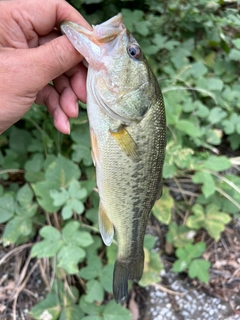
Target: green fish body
x,y
128,135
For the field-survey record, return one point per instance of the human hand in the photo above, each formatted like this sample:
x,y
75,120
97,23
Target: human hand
x,y
32,53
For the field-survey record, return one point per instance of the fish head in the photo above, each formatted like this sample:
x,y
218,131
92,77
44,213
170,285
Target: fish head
x,y
117,65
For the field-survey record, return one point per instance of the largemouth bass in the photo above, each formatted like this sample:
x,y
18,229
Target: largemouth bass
x,y
128,132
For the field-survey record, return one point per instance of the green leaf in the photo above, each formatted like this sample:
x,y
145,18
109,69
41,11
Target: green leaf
x,y
149,241
216,115
217,163
206,179
179,235
234,54
25,195
197,220
27,212
72,235
82,153
80,134
19,140
215,84
59,197
191,250
111,253
10,160
215,221
214,136
50,245
7,208
62,171
228,126
202,110
15,228
76,206
106,277
92,270
186,254
162,209
76,191
67,295
35,164
92,250
179,59
199,269
1,192
95,317
71,313
152,268
189,128
212,219
114,311
85,239
42,191
198,69
68,258
142,27
236,42
94,291
49,308
180,265
90,308
67,212
71,232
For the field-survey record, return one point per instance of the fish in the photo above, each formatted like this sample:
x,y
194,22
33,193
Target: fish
x,y
128,136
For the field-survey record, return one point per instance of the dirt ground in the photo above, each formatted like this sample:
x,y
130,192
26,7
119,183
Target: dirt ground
x,y
25,281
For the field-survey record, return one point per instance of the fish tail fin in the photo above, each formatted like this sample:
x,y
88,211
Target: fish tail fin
x,y
122,273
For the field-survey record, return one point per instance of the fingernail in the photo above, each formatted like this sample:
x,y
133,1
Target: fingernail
x,y
68,129
77,109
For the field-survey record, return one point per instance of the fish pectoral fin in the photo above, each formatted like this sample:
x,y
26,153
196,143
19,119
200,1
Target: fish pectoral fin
x,y
95,150
105,226
126,142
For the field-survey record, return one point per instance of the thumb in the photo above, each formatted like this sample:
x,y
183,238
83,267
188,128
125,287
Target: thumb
x,y
50,60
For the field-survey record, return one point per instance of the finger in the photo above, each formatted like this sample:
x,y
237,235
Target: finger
x,y
68,99
47,62
49,97
78,76
29,15
49,37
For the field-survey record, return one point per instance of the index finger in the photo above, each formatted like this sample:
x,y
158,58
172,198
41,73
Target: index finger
x,y
43,16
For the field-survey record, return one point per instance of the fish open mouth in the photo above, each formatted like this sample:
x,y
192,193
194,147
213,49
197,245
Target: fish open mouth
x,y
95,43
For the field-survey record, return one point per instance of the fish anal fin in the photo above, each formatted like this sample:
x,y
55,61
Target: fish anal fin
x,y
105,226
126,142
95,150
124,271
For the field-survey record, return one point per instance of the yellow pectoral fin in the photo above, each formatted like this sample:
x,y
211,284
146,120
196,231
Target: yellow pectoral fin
x,y
105,226
95,150
126,142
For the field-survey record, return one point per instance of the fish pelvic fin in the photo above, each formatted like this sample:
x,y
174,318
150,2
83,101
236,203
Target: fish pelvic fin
x,y
124,271
105,226
126,142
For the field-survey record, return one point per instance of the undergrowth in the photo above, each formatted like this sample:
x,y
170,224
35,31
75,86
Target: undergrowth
x,y
47,181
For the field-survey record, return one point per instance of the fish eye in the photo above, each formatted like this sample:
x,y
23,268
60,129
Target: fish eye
x,y
134,51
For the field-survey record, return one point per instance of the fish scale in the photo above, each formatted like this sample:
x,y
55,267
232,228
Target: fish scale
x,y
128,135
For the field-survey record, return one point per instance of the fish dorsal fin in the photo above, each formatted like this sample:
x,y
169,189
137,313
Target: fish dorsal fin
x,y
126,142
105,226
